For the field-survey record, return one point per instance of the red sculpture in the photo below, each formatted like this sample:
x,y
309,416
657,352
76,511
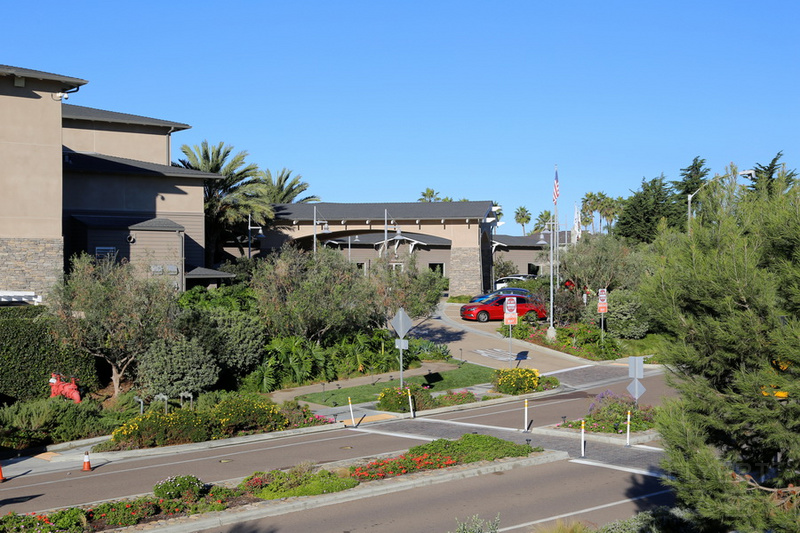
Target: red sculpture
x,y
62,388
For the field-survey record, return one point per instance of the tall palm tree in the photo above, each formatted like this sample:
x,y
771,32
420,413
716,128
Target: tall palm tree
x,y
229,200
541,222
609,209
283,190
522,216
429,195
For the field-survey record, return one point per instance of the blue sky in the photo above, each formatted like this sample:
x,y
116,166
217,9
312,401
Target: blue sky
x,y
374,101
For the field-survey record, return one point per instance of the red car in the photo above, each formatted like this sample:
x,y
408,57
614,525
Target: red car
x,y
494,309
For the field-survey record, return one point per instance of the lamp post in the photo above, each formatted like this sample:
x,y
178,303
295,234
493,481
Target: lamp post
x,y
250,227
325,229
551,331
348,247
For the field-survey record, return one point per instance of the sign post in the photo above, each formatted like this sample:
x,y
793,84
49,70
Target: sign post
x,y
401,324
510,318
602,308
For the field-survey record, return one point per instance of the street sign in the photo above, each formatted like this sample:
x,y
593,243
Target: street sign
x,y
636,367
401,323
602,301
636,389
510,319
401,344
511,305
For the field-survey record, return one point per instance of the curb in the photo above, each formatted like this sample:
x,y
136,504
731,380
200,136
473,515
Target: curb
x,y
606,438
255,511
168,450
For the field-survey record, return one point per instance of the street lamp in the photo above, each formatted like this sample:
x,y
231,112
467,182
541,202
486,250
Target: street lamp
x,y
551,331
325,229
251,227
348,246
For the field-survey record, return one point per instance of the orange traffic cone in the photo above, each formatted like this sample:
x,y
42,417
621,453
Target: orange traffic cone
x,y
1,474
87,466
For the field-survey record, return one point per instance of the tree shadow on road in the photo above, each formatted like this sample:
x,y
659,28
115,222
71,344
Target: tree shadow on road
x,y
436,333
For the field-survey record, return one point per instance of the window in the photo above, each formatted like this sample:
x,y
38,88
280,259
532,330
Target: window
x,y
437,267
533,269
396,266
156,270
105,252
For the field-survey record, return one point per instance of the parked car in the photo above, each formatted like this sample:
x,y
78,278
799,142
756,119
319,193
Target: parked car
x,y
494,309
508,291
503,282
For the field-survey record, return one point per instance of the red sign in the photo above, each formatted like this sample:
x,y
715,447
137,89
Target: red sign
x,y
511,305
510,319
602,301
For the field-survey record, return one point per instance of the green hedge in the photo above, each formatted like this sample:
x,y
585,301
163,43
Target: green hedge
x,y
29,354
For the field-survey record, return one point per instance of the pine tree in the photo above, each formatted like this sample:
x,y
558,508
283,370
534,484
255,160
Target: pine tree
x,y
728,295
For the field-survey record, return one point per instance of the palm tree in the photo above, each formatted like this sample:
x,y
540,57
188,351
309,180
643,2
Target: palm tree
x,y
429,195
498,213
541,222
522,216
589,205
228,200
283,190
609,209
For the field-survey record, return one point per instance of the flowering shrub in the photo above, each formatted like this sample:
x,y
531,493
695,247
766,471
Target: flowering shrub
x,y
403,464
124,513
247,413
300,416
609,414
298,481
179,486
455,398
155,428
395,399
441,453
516,380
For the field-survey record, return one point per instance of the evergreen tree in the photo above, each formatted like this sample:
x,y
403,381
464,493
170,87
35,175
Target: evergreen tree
x,y
692,178
765,175
643,211
728,296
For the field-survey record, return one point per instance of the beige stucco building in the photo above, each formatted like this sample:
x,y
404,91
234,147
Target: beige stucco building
x,y
81,179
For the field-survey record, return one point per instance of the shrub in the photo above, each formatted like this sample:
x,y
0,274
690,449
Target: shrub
x,y
173,367
587,340
516,380
609,414
475,524
155,428
125,512
658,520
247,413
627,317
298,481
522,330
455,398
56,419
300,416
172,488
395,399
29,354
427,350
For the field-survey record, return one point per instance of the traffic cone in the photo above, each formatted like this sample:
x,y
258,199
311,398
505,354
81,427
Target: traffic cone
x,y
87,466
1,474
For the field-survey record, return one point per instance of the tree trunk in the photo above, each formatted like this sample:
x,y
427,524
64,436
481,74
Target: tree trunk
x,y
116,377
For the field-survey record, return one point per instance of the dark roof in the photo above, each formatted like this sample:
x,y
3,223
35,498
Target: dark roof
x,y
77,112
207,273
475,211
157,224
376,237
67,81
131,223
106,164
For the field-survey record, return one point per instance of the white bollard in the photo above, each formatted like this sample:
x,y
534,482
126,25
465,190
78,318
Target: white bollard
x,y
353,418
525,425
410,403
583,439
628,438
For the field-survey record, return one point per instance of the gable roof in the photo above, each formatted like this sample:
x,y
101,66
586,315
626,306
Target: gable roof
x,y
77,112
474,211
68,82
106,164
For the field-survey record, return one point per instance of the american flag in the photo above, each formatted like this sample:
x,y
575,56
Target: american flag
x,y
555,188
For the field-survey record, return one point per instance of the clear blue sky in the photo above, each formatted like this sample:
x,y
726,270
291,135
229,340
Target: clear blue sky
x,y
374,101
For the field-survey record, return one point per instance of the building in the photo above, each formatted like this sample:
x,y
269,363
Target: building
x,y
81,179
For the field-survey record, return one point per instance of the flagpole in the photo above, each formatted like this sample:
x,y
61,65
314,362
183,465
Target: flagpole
x,y
551,331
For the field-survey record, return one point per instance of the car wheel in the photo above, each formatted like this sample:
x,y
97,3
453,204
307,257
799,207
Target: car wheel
x,y
483,316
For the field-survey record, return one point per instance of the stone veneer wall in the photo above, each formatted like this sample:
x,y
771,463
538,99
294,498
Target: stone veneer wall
x,y
465,271
30,264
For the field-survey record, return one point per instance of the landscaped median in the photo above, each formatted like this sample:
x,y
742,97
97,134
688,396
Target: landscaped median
x,y
278,492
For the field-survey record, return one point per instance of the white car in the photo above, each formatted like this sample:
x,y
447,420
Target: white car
x,y
503,282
